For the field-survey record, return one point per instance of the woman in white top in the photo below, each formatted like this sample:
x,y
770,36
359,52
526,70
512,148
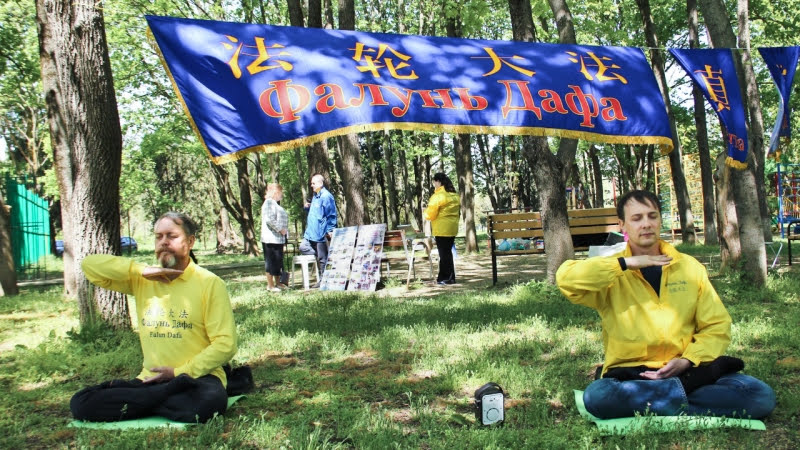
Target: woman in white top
x,y
274,224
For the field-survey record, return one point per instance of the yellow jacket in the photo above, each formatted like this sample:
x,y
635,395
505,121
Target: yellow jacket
x,y
186,324
639,328
443,211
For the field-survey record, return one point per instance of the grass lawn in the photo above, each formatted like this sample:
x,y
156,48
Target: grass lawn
x,y
384,370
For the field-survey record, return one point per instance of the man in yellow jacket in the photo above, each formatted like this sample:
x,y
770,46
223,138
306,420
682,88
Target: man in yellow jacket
x,y
665,329
186,330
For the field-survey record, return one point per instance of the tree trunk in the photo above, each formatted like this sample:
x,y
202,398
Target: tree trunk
x,y
490,171
227,239
388,176
675,159
419,175
406,183
598,177
710,236
466,189
245,216
463,155
8,277
352,177
744,188
232,204
755,133
730,247
87,145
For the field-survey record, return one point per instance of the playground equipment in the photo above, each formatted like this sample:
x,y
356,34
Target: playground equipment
x,y
666,192
787,185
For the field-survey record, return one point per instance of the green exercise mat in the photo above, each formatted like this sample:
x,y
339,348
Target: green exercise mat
x,y
145,422
659,424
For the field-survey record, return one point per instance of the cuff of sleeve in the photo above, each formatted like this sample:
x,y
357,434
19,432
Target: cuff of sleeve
x,y
180,370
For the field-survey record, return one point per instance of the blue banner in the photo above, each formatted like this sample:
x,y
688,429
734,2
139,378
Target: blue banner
x,y
713,71
249,87
782,64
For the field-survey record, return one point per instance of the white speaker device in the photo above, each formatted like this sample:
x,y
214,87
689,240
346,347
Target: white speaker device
x,y
489,400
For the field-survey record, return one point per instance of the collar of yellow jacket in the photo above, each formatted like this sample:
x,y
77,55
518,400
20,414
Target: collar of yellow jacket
x,y
188,271
664,248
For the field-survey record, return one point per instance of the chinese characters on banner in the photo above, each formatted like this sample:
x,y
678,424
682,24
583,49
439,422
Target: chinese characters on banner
x,y
714,73
249,87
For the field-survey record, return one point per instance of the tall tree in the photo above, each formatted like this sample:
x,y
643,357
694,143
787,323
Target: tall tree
x,y
675,157
462,148
755,135
87,144
552,170
710,236
352,174
743,182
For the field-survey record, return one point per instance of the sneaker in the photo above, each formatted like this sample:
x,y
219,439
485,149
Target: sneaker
x,y
275,289
315,285
442,283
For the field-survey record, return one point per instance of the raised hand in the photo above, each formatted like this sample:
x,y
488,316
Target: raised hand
x,y
637,262
161,274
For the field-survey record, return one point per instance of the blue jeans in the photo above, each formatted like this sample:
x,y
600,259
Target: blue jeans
x,y
733,395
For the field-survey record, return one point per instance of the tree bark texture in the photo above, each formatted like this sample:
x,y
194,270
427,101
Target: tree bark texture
x,y
743,182
729,245
710,236
462,149
388,176
8,277
755,134
550,170
675,158
87,145
245,216
352,177
466,189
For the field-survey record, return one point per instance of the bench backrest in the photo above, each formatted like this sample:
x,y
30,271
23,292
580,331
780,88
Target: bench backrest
x,y
516,225
592,221
529,224
395,239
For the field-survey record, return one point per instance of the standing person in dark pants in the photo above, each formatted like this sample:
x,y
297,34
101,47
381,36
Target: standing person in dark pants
x,y
443,211
186,331
320,223
274,226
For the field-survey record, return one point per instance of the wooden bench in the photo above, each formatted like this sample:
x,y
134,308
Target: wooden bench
x,y
790,236
395,240
587,227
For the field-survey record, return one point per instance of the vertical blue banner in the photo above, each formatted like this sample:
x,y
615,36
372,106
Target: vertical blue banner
x,y
782,64
714,72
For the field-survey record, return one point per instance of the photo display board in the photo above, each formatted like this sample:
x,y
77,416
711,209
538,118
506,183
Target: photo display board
x,y
354,259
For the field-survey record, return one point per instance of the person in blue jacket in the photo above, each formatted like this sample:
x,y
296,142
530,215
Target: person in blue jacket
x,y
320,223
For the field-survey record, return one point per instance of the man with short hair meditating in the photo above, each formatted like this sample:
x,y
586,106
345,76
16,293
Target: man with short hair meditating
x,y
665,329
186,330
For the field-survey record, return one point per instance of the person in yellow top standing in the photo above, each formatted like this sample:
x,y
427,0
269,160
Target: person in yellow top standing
x,y
443,211
186,331
665,329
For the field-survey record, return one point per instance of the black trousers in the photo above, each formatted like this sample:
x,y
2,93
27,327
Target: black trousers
x,y
447,270
182,399
273,258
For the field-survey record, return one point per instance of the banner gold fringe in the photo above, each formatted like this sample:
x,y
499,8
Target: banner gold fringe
x,y
152,39
730,162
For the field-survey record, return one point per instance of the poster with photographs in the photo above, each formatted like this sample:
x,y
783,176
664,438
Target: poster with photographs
x,y
337,270
366,270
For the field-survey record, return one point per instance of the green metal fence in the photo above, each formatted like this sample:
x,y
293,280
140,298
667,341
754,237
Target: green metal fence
x,y
30,230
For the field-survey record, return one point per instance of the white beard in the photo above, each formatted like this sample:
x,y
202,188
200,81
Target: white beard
x,y
167,260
